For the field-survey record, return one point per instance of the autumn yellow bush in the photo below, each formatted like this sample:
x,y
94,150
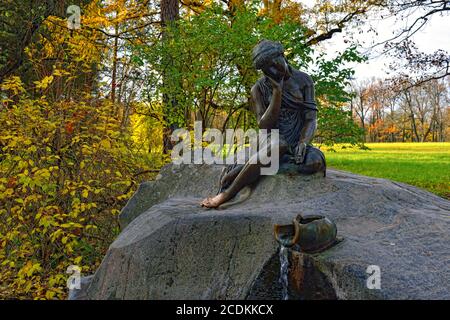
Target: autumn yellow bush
x,y
66,169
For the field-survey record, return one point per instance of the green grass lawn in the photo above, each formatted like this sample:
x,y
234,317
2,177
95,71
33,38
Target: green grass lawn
x,y
424,165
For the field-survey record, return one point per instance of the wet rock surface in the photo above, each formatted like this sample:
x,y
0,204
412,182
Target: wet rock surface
x,y
171,248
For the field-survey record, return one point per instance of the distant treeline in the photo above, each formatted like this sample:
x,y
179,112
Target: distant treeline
x,y
398,112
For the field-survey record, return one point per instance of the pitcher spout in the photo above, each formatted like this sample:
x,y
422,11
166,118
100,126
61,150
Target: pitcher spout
x,y
312,233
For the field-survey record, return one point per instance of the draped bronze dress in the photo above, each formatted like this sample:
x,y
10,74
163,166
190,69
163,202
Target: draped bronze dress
x,y
294,106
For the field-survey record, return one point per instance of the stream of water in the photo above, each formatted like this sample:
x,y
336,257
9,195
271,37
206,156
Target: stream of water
x,y
284,265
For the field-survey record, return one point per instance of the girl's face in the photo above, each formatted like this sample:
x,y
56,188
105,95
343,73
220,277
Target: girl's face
x,y
275,68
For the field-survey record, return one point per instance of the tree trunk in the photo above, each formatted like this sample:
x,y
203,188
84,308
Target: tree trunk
x,y
169,13
114,66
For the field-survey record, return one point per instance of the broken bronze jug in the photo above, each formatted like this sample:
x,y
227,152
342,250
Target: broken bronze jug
x,y
312,233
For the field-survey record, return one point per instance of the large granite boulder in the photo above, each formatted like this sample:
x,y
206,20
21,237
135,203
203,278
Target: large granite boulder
x,y
171,248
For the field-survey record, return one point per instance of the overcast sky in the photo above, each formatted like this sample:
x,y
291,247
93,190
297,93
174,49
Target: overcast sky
x,y
433,36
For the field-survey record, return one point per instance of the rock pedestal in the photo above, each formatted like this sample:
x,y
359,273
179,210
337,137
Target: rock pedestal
x,y
171,248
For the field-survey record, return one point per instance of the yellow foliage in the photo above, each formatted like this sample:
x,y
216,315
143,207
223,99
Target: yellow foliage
x,y
147,133
66,170
44,83
13,84
67,164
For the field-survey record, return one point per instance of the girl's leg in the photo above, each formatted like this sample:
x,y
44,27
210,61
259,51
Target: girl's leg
x,y
249,174
228,178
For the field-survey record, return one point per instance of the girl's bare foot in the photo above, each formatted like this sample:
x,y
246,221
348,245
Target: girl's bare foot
x,y
214,202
